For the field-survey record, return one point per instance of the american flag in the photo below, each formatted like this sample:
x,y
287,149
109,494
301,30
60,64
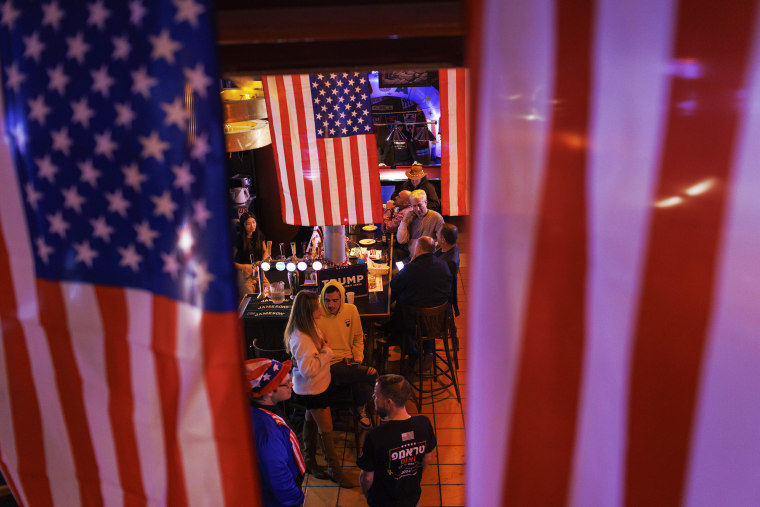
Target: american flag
x,y
617,153
324,148
120,364
455,179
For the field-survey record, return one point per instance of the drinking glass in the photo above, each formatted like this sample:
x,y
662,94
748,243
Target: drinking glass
x,y
277,292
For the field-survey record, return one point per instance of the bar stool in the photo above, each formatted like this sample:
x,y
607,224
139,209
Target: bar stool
x,y
278,354
344,407
431,324
454,339
380,354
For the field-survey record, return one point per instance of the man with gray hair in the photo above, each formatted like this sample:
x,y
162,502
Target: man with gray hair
x,y
420,222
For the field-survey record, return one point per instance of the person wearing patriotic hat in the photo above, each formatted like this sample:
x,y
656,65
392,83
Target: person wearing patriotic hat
x,y
281,465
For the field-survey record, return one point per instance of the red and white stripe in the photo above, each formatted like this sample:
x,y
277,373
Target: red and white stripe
x,y
295,446
455,180
322,181
114,396
297,452
616,149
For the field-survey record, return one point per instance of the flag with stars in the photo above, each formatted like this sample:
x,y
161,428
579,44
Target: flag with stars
x,y
120,379
324,148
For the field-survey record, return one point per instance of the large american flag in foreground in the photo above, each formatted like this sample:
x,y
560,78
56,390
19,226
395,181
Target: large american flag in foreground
x,y
324,148
120,363
617,154
455,179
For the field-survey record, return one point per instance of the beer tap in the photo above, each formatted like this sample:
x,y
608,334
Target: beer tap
x,y
293,278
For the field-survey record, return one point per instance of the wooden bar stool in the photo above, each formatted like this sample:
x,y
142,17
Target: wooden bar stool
x,y
431,324
454,339
343,407
278,354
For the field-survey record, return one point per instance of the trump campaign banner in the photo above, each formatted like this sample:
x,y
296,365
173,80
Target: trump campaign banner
x,y
353,278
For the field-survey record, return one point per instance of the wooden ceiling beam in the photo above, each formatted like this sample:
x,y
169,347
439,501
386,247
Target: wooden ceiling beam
x,y
340,22
342,56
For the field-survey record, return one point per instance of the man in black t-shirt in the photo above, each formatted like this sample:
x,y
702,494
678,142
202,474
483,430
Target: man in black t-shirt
x,y
396,452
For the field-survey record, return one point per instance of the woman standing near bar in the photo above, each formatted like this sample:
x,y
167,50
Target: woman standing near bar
x,y
248,249
311,378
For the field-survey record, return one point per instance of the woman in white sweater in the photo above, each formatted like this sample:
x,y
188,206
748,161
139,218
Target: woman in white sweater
x,y
311,378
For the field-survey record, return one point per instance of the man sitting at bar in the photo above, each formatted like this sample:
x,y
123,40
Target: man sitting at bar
x,y
416,180
391,218
281,465
421,222
423,283
448,252
341,325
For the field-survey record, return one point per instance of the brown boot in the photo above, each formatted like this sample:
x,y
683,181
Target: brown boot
x,y
333,463
310,450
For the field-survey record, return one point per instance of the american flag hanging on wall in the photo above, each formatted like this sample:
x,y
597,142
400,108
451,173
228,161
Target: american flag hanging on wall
x,y
617,155
120,364
455,179
324,148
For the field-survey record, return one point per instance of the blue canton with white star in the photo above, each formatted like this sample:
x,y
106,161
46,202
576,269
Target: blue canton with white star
x,y
115,119
342,104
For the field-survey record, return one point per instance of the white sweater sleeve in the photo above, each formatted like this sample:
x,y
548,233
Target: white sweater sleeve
x,y
310,360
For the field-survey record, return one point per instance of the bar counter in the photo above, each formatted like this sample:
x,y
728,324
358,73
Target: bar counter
x,y
265,320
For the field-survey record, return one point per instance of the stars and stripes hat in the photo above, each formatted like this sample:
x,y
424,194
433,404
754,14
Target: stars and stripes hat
x,y
265,375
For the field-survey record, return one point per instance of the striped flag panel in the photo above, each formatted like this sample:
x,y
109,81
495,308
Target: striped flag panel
x,y
628,359
665,373
455,180
554,328
120,358
324,148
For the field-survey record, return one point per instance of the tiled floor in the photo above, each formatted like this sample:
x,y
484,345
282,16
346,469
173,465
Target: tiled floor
x,y
443,481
